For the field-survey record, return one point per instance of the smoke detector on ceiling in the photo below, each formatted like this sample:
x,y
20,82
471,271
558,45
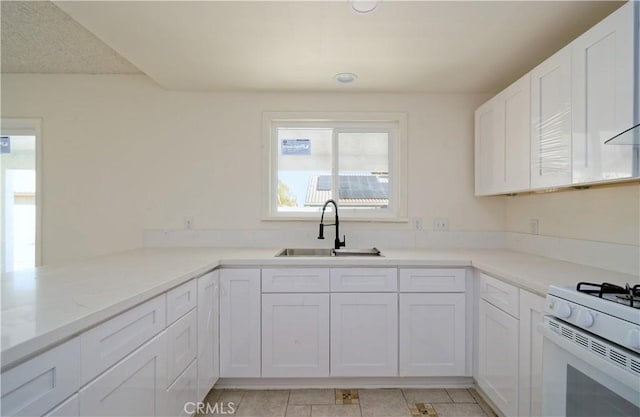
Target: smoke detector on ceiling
x,y
346,77
364,6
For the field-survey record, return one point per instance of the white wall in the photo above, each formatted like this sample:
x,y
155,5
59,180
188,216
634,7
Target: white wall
x,y
605,214
121,155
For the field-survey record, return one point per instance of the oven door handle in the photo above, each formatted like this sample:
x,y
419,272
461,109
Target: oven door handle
x,y
594,360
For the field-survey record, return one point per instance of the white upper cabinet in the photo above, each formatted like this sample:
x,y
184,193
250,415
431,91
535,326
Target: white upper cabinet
x,y
517,119
502,141
573,102
603,97
488,153
551,121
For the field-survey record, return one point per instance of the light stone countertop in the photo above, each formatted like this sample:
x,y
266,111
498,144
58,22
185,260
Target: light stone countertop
x,y
45,306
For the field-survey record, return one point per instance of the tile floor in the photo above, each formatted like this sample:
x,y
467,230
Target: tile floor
x,y
391,402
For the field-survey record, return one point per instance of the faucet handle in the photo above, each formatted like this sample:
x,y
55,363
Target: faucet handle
x,y
344,241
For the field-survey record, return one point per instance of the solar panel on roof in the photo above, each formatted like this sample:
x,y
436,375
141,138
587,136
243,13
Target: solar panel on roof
x,y
356,186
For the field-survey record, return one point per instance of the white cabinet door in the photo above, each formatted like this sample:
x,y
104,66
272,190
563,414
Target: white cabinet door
x,y
432,334
498,357
551,121
516,100
364,334
603,102
295,335
135,386
502,130
240,323
530,385
489,147
208,311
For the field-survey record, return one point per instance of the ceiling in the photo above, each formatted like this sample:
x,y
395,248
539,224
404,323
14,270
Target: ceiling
x,y
403,46
38,37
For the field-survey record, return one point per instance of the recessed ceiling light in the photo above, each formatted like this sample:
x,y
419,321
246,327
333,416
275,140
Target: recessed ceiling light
x,y
364,6
346,77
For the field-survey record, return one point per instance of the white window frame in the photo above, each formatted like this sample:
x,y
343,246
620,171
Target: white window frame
x,y
361,122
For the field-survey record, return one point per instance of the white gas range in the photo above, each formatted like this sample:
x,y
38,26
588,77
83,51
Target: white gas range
x,y
592,351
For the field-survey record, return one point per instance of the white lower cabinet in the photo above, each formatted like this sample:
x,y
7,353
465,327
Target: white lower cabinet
x,y
135,386
432,334
498,357
208,339
69,408
530,384
182,340
182,391
39,384
240,322
364,334
295,335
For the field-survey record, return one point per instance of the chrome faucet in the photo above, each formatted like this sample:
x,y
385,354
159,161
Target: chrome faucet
x,y
338,244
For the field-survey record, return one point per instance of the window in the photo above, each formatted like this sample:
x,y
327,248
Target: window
x,y
356,159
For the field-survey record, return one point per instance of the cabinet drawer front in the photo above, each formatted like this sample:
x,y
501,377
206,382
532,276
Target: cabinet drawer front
x,y
432,280
500,294
364,279
37,385
295,280
182,392
133,387
180,300
107,343
182,339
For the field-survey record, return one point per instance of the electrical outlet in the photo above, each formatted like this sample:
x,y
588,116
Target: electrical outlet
x,y
535,227
417,223
441,224
188,223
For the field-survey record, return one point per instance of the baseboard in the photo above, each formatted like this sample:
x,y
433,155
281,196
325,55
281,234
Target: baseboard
x,y
363,383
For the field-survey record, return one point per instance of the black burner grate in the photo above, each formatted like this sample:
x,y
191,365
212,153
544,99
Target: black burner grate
x,y
627,294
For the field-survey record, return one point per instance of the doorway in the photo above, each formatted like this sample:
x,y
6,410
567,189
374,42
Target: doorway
x,y
19,194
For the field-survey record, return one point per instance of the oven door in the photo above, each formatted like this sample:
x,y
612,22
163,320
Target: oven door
x,y
580,379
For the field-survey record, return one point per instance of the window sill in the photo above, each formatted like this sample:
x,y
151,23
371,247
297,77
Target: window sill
x,y
329,217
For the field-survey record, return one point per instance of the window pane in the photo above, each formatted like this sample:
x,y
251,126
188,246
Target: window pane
x,y
363,169
304,156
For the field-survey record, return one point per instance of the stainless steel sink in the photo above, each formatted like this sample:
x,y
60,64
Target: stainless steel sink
x,y
305,252
357,252
329,252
